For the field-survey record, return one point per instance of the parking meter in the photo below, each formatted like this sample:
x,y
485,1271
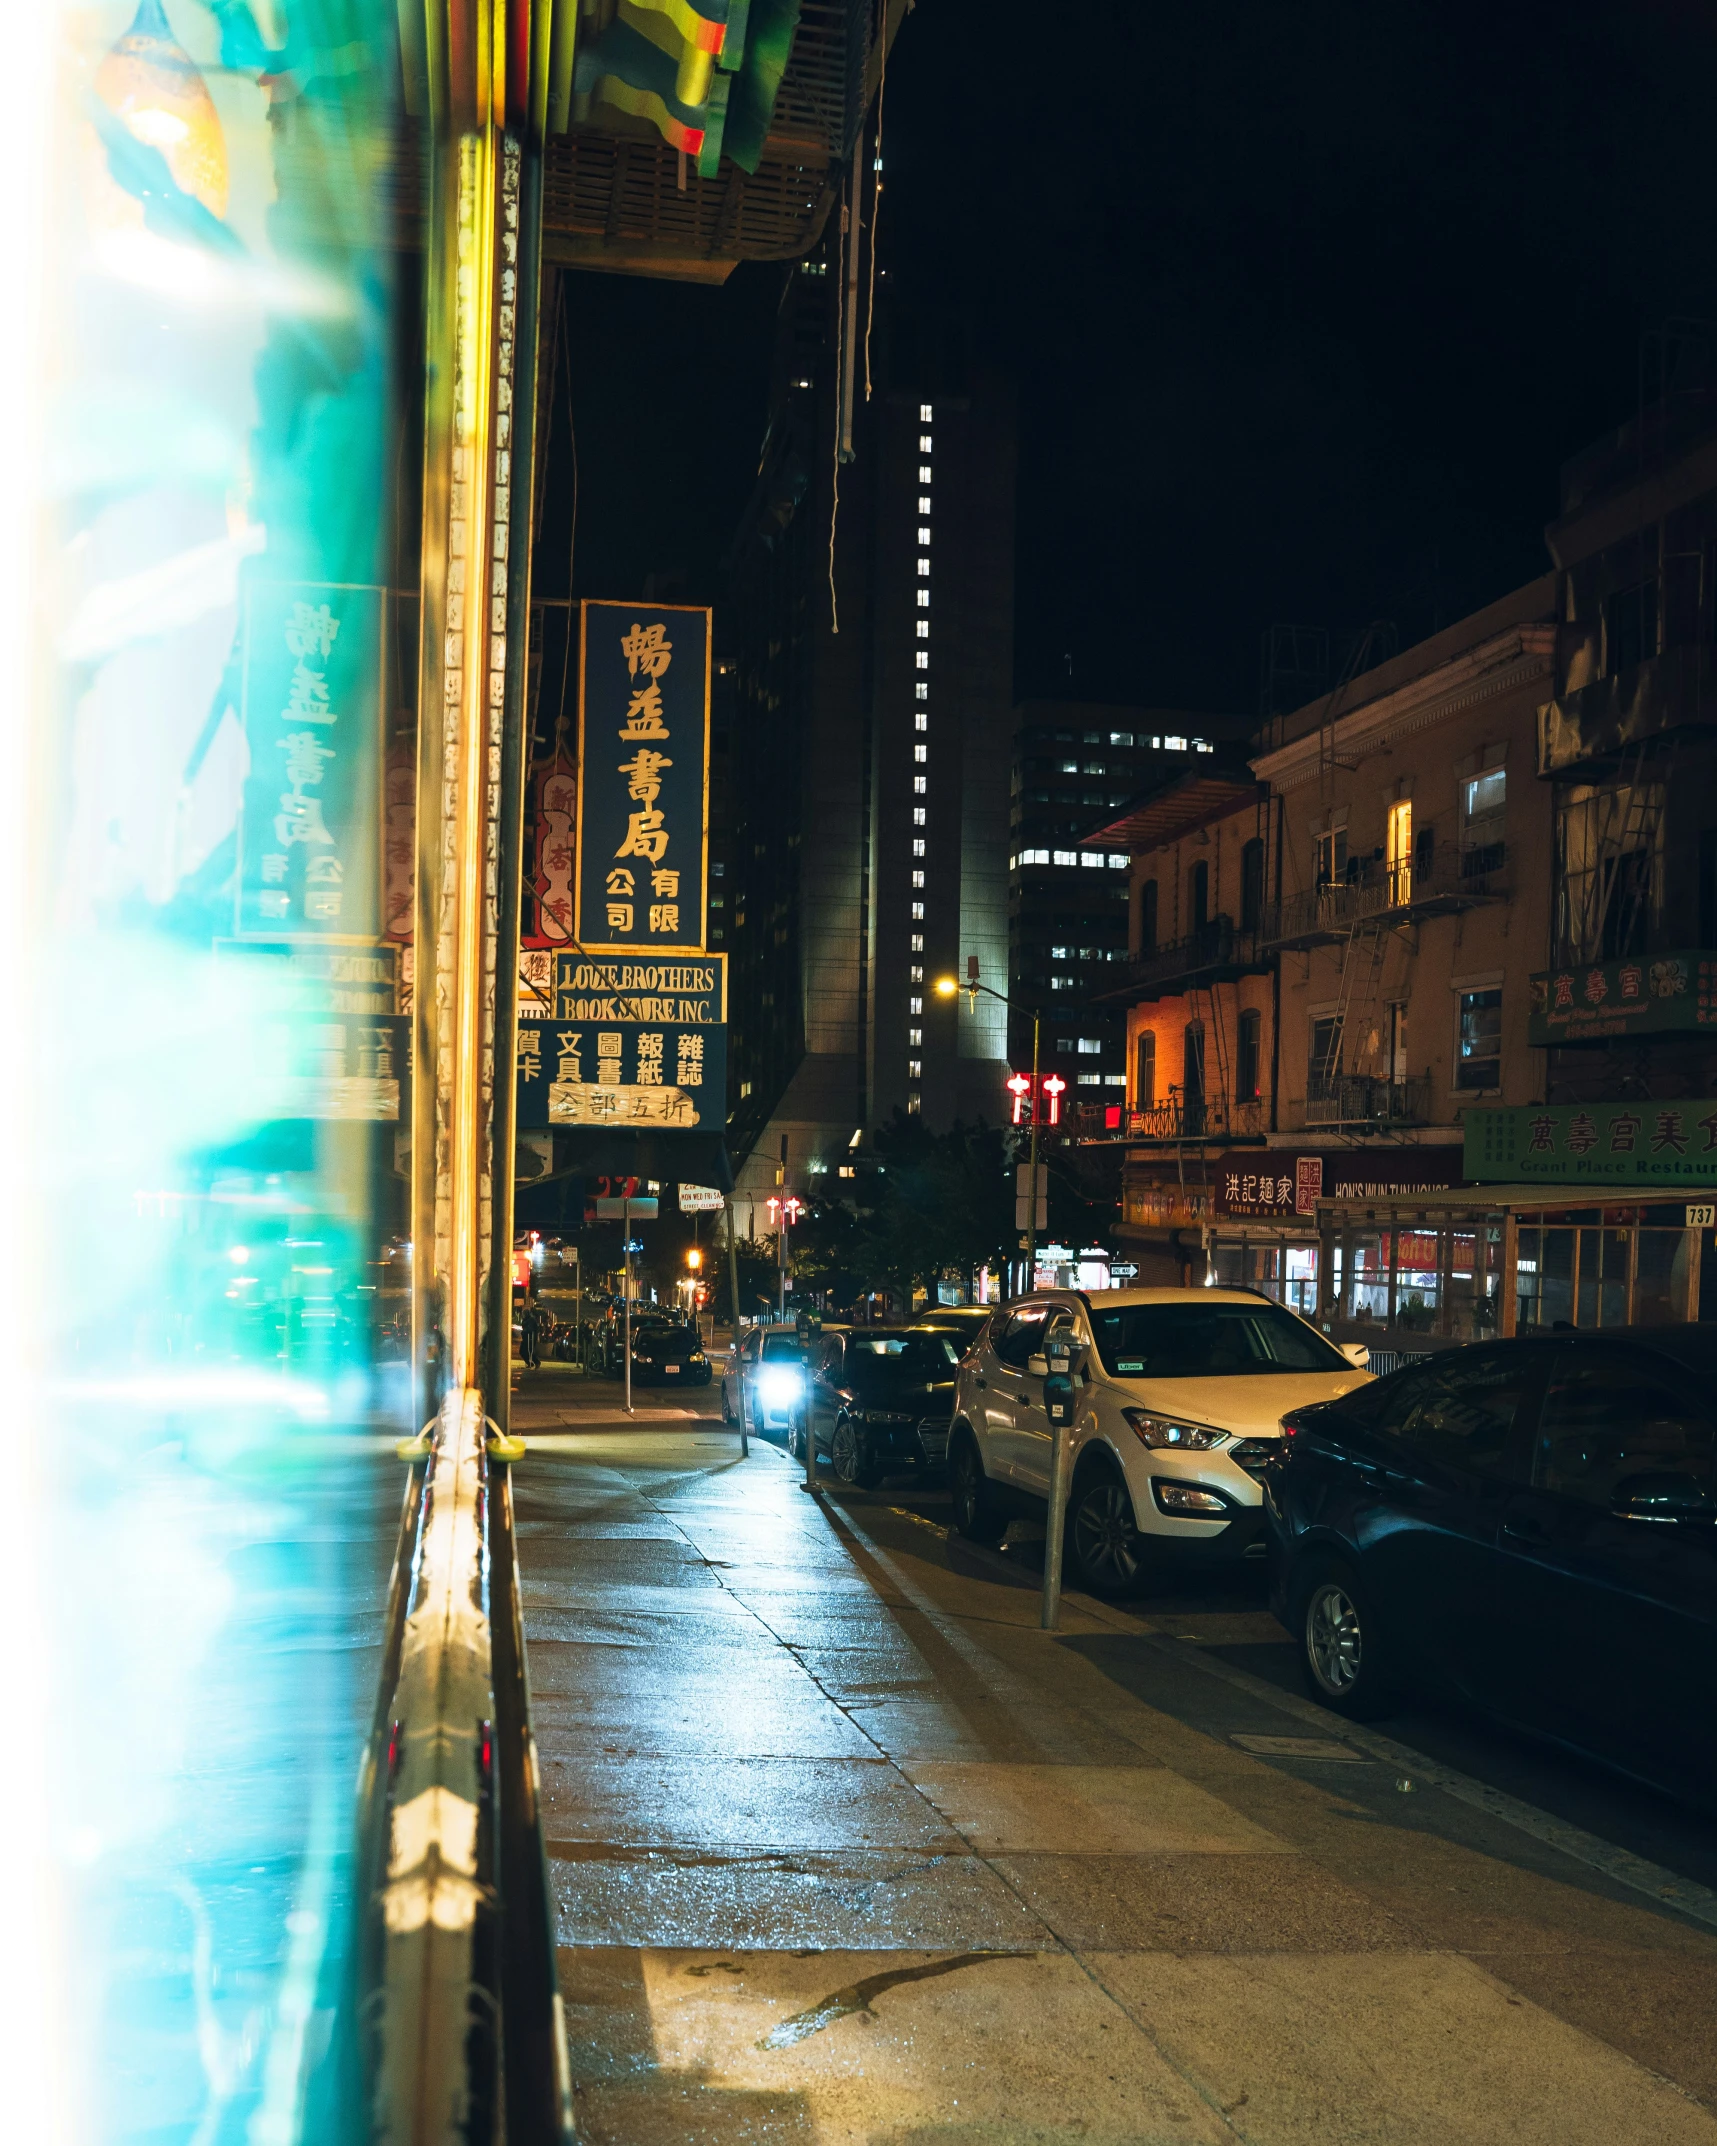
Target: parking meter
x,y
1058,1381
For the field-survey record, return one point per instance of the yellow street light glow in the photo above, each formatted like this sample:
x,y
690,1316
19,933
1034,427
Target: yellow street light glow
x,y
694,1258
946,987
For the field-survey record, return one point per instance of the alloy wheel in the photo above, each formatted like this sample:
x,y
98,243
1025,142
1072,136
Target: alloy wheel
x,y
1334,1639
1105,1536
844,1452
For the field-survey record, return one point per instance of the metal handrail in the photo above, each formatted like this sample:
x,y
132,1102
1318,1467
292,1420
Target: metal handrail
x,y
458,1958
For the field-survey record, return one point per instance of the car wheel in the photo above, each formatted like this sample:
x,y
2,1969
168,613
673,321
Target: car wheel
x,y
795,1440
977,1510
850,1456
727,1415
1343,1656
1108,1550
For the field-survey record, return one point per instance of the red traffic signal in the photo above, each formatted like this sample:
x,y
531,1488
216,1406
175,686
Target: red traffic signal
x,y
1052,1088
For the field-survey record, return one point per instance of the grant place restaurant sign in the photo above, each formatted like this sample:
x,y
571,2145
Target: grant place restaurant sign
x,y
1637,1143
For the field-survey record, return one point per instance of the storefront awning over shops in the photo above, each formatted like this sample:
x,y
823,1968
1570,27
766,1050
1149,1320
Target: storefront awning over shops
x,y
1173,809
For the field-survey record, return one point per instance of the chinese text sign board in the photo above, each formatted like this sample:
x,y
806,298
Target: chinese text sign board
x,y
1277,1185
643,833
309,860
1665,994
631,1043
1594,1143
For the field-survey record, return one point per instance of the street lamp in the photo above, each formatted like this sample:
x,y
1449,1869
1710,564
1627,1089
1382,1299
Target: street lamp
x,y
950,987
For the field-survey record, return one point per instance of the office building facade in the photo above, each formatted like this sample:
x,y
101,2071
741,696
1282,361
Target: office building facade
x,y
870,632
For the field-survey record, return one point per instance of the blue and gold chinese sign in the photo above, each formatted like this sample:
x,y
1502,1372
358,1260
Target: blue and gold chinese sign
x,y
635,1044
643,833
1593,1143
312,717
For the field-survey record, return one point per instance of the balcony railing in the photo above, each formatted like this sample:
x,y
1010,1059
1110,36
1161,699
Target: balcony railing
x,y
1357,1099
1216,950
1375,893
1215,1118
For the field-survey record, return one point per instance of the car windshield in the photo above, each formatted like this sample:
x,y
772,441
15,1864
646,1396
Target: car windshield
x,y
783,1349
925,1356
1192,1341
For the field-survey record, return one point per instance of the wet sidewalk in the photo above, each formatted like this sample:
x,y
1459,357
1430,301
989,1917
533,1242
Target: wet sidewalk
x,y
845,1849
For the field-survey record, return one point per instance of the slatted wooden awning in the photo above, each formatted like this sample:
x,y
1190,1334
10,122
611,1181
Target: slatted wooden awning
x,y
1179,807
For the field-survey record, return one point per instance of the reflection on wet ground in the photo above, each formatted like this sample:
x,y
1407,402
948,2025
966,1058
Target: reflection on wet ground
x,y
844,1848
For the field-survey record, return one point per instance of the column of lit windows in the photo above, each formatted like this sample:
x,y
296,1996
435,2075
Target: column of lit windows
x,y
920,758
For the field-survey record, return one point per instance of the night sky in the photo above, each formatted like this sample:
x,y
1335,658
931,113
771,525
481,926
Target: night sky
x,y
1307,305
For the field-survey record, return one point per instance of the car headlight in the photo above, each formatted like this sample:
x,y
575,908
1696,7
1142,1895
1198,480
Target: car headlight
x,y
779,1387
1153,1430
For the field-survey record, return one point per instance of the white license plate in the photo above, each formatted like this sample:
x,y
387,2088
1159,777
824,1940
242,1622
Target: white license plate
x,y
670,1369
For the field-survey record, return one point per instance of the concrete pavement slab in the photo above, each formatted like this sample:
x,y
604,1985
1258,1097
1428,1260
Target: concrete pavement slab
x,y
751,1803
1084,1810
808,1900
1419,2049
1201,1903
856,2048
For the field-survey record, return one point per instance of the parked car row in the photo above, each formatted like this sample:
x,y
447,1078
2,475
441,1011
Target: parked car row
x,y
1527,1525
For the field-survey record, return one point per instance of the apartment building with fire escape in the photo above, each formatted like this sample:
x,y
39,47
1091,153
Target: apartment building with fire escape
x,y
1333,953
1422,1029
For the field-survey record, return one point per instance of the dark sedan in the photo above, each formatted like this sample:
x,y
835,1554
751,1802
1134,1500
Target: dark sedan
x,y
670,1351
881,1401
1528,1525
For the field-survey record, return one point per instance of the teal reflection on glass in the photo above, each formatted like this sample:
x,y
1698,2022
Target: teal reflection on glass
x,y
224,1088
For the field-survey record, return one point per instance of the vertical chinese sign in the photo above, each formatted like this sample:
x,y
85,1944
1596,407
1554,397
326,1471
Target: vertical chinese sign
x,y
643,832
312,683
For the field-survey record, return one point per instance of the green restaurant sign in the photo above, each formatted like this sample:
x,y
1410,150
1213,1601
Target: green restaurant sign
x,y
1593,1143
1661,994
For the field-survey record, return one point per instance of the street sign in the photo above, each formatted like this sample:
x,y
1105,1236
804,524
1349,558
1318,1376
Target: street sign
x,y
700,1200
1022,1197
641,1209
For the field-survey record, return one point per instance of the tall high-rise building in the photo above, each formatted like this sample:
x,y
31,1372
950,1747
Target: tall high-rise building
x,y
869,626
1074,763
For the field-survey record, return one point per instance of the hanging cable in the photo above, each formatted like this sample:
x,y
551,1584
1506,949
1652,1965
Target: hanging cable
x,y
565,354
842,331
875,202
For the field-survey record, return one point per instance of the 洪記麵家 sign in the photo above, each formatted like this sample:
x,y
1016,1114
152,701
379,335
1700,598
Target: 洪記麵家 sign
x,y
643,838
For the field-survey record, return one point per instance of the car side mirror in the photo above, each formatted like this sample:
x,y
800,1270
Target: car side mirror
x,y
1357,1353
1037,1367
1665,1498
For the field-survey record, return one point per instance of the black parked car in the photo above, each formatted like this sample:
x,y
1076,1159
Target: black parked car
x,y
1530,1525
669,1351
881,1401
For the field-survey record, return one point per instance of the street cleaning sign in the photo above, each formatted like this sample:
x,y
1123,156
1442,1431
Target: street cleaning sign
x,y
633,1044
643,796
1669,994
1593,1143
309,858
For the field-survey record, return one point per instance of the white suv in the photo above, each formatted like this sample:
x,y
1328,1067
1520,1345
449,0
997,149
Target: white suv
x,y
1179,1395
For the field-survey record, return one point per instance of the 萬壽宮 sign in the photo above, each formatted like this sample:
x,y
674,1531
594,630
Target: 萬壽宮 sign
x,y
1659,994
643,726
1594,1143
632,1043
309,858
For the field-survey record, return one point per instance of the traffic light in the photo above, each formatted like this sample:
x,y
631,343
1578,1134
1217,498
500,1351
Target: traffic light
x,y
1051,1088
